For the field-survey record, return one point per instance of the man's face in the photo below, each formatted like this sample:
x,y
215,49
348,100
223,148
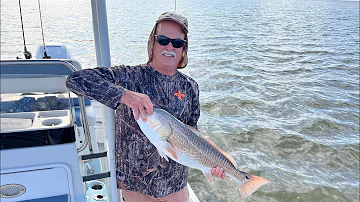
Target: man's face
x,y
165,57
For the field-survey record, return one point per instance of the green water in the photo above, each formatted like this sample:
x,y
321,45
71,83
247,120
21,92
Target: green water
x,y
279,82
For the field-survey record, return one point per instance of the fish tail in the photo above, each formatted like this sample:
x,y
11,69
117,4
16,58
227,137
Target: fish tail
x,y
251,186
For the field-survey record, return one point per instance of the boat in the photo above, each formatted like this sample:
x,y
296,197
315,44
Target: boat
x,y
55,145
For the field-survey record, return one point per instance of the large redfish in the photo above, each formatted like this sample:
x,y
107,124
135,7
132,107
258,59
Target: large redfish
x,y
179,142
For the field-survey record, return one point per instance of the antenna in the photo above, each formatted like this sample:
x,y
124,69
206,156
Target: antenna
x,y
175,7
27,54
42,31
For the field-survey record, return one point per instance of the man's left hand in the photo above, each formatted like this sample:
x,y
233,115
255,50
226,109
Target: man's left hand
x,y
218,172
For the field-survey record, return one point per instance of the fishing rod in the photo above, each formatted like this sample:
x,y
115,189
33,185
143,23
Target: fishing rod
x,y
42,31
175,7
27,54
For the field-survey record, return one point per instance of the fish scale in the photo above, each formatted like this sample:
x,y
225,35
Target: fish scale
x,y
181,143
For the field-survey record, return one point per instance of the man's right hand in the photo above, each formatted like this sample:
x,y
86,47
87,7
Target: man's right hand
x,y
138,102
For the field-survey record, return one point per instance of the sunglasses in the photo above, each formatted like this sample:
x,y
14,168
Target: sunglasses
x,y
164,40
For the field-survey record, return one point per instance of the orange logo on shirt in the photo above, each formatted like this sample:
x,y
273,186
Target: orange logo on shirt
x,y
179,95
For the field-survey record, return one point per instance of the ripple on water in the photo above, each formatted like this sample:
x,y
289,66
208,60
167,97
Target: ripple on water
x,y
278,83
320,194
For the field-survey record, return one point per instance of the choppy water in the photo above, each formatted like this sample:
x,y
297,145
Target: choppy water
x,y
279,82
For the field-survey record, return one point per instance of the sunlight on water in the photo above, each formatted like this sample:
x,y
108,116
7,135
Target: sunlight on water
x,y
279,82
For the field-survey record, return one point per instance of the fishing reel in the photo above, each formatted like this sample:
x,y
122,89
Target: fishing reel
x,y
27,55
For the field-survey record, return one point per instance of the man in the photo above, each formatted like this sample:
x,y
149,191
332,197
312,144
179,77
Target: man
x,y
133,92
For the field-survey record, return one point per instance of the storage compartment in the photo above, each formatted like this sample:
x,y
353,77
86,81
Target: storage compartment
x,y
16,121
51,122
52,119
22,115
48,114
35,185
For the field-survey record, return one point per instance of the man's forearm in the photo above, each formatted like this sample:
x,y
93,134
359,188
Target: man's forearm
x,y
96,84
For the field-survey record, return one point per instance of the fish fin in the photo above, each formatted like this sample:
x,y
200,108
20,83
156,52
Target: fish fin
x,y
208,175
220,150
163,155
193,129
169,148
251,186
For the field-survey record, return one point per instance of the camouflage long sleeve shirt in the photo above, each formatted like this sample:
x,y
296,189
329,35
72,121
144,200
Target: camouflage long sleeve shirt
x,y
139,166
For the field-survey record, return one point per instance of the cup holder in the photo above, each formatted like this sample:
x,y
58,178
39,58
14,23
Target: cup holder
x,y
97,187
99,197
51,122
